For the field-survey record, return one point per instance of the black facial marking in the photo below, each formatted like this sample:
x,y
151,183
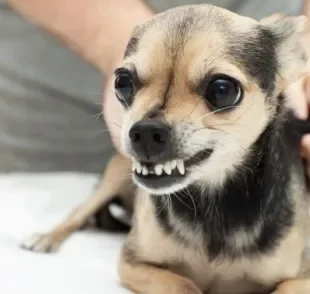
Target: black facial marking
x,y
257,55
256,197
132,46
183,28
187,24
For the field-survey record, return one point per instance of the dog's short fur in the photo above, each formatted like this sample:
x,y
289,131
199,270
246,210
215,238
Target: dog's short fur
x,y
237,222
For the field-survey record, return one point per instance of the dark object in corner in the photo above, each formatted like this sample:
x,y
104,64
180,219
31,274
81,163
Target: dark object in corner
x,y
104,219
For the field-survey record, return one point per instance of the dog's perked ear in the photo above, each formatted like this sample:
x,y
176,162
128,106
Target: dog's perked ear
x,y
289,33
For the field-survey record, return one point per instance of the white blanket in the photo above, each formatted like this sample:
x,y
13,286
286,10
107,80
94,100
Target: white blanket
x,y
86,263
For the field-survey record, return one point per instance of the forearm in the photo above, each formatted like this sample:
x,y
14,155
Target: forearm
x,y
96,29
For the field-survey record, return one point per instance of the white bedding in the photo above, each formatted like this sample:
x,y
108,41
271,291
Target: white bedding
x,y
86,263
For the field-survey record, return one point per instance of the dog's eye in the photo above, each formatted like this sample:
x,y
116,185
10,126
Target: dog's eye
x,y
223,93
124,88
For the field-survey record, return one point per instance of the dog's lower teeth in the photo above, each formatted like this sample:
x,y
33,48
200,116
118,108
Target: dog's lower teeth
x,y
145,172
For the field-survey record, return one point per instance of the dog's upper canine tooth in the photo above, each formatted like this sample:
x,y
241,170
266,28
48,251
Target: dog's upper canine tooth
x,y
145,171
159,169
180,167
138,167
167,167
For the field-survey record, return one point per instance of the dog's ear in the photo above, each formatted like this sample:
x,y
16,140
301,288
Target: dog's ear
x,y
289,33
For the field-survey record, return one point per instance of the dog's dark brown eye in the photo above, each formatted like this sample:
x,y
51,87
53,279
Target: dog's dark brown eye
x,y
124,88
223,93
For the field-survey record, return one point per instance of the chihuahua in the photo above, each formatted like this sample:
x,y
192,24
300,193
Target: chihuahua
x,y
222,200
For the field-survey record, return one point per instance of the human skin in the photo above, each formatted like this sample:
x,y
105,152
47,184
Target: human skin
x,y
98,30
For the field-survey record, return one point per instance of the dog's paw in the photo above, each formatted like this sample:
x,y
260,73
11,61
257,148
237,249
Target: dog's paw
x,y
42,242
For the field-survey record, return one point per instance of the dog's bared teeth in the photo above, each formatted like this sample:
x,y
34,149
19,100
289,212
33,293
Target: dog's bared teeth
x,y
159,169
138,168
145,171
167,168
173,164
180,167
133,168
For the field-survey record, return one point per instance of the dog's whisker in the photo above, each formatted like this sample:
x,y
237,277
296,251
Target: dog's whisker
x,y
179,198
215,111
191,111
164,205
193,201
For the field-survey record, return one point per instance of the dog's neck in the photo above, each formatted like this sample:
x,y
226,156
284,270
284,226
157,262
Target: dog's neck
x,y
254,203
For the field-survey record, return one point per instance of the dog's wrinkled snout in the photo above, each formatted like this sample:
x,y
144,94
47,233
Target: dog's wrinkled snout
x,y
149,138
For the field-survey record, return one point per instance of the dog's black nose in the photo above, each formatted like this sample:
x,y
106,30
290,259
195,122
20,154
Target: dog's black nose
x,y
149,138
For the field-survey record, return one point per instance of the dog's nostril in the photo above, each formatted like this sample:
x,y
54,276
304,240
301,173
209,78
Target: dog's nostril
x,y
157,137
135,137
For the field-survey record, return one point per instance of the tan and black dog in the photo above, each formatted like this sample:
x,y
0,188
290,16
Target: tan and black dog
x,y
223,203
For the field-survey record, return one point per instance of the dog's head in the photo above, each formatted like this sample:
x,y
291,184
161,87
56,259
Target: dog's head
x,y
200,84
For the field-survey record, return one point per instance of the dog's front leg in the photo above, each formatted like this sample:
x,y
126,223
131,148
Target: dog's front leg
x,y
115,180
144,278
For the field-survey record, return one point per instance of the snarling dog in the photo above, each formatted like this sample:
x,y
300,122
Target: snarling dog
x,y
223,201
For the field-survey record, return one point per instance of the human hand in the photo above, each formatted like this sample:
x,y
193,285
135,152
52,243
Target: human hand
x,y
298,93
